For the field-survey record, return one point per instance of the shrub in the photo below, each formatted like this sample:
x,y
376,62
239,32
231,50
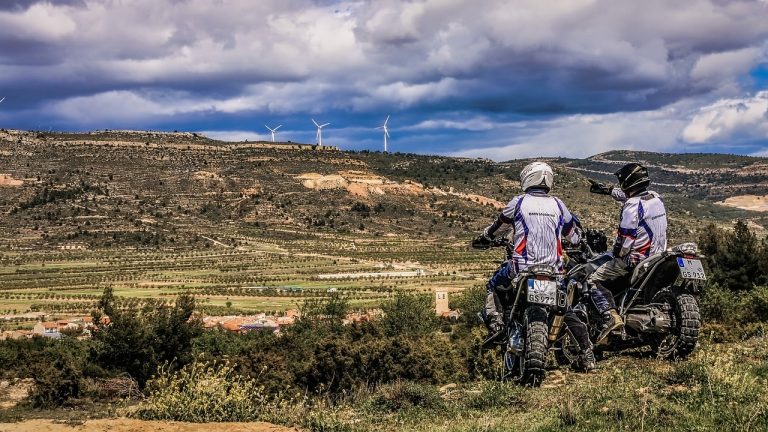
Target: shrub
x,y
58,375
718,304
326,419
138,341
731,316
469,302
408,314
204,392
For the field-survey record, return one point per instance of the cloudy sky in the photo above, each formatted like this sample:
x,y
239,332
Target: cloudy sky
x,y
498,79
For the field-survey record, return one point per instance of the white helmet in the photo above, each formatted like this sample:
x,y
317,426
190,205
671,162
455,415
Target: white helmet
x,y
537,174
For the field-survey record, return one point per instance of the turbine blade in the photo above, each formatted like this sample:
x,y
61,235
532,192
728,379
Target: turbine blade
x,y
324,125
1,100
385,131
278,127
267,127
313,121
385,121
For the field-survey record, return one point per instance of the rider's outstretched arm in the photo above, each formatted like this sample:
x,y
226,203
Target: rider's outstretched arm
x,y
602,189
504,222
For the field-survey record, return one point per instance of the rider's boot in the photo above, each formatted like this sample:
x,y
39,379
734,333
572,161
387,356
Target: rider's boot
x,y
611,321
587,360
493,320
495,332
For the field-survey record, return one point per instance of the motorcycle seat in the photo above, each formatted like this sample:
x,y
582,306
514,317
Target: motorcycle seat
x,y
641,269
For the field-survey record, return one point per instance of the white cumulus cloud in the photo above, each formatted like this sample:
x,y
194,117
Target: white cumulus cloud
x,y
584,135
730,118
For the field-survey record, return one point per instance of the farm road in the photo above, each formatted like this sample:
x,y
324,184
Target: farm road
x,y
130,425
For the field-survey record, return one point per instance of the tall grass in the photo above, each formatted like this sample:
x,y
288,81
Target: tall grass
x,y
208,392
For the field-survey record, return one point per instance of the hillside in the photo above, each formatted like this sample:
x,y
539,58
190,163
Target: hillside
x,y
697,175
248,226
105,189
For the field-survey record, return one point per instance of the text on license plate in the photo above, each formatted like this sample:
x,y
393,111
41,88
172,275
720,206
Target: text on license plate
x,y
542,292
691,269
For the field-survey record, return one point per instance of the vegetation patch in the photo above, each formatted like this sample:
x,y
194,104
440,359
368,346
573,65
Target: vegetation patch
x,y
206,392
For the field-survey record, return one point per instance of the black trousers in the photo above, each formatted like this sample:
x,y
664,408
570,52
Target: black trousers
x,y
578,329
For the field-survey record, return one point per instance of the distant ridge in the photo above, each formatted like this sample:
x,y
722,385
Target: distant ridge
x,y
659,158
150,138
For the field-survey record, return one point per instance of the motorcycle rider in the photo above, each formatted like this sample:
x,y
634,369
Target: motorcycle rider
x,y
642,232
534,223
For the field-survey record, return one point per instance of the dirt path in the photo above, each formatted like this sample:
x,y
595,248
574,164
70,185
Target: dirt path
x,y
747,202
130,425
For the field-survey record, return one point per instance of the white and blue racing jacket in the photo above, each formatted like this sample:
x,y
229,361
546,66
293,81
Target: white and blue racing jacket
x,y
642,227
534,222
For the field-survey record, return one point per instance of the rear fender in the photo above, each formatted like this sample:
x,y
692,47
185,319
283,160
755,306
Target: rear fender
x,y
662,275
536,313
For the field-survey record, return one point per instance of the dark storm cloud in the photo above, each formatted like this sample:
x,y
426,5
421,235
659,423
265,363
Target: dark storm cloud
x,y
19,5
98,63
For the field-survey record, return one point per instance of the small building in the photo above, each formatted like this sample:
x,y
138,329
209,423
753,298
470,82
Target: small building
x,y
441,302
47,329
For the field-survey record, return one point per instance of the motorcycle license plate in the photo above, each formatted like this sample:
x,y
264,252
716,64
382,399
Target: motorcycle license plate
x,y
691,269
542,292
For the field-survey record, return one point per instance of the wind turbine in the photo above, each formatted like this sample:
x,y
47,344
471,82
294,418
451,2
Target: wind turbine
x,y
273,131
319,136
386,133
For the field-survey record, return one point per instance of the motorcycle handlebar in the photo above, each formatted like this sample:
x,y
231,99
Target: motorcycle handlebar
x,y
482,244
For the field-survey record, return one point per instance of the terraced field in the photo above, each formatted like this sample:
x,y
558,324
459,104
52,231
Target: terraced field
x,y
250,227
260,275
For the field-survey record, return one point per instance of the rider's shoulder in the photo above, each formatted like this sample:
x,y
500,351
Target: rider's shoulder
x,y
650,194
514,201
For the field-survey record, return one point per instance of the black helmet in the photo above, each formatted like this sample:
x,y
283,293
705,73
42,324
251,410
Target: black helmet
x,y
633,177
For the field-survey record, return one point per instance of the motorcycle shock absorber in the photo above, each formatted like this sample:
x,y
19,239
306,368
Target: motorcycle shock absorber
x,y
557,321
554,329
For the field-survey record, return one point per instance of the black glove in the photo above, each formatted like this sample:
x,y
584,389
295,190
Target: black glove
x,y
599,188
482,242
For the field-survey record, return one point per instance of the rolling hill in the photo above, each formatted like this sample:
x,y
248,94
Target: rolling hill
x,y
250,226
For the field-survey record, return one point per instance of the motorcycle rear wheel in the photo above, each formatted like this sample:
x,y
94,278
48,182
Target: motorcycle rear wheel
x,y
533,360
686,322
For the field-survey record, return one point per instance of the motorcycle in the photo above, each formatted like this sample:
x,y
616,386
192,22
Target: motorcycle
x,y
658,303
533,316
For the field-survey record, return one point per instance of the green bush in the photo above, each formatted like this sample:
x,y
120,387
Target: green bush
x,y
470,302
755,304
719,304
408,314
58,375
136,341
205,392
